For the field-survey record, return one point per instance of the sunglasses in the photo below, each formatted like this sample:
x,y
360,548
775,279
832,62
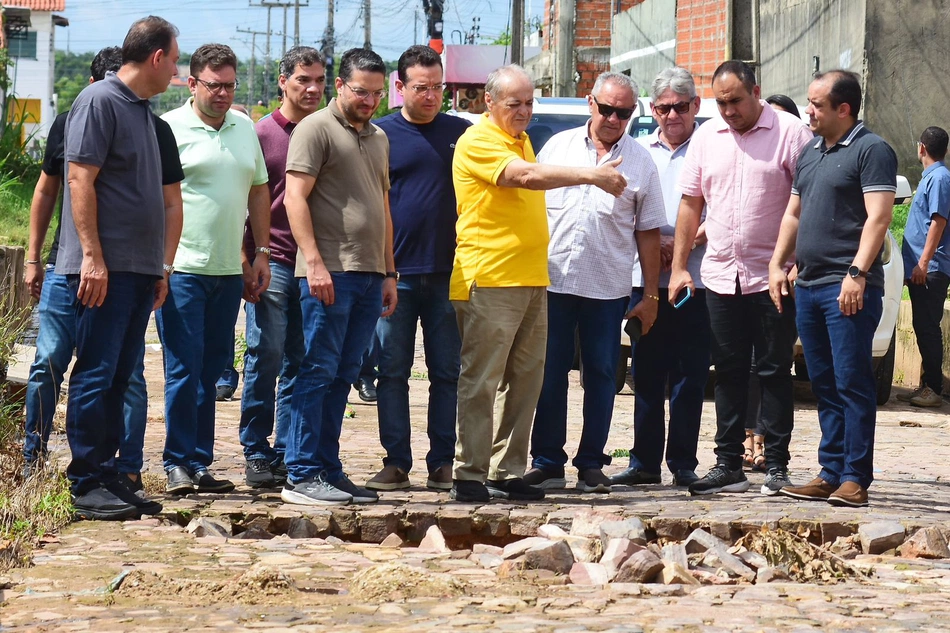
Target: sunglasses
x,y
681,107
605,110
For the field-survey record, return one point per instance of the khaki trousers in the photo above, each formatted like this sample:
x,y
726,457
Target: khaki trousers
x,y
504,336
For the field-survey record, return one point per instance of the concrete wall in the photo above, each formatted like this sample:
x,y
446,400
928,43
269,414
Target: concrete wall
x,y
907,82
644,40
907,358
793,32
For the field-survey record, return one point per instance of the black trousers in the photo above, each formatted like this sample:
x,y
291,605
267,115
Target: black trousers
x,y
740,324
926,303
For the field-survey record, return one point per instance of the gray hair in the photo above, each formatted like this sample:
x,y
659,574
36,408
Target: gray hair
x,y
677,79
618,79
498,79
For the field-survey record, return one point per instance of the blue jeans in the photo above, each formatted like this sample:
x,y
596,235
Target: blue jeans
x,y
675,352
335,337
229,377
274,351
370,360
195,325
841,368
109,344
425,298
54,350
597,322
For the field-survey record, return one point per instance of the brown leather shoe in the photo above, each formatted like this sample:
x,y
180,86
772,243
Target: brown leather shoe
x,y
816,490
440,478
849,494
389,478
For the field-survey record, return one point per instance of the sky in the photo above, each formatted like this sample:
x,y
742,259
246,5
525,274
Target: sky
x,y
95,24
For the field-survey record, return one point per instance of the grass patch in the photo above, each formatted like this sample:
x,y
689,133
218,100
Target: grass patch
x,y
620,452
15,212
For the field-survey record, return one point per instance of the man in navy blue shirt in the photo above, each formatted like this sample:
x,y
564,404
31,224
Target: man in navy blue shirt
x,y
422,202
926,253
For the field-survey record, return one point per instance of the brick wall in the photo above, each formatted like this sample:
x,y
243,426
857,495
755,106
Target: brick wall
x,y
592,25
701,39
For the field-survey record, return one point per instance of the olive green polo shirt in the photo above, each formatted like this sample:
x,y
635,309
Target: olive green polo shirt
x,y
347,200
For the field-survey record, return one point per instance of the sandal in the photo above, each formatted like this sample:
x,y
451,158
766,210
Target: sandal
x,y
758,459
748,459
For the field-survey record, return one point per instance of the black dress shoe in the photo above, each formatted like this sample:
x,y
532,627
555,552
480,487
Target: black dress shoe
x,y
683,478
635,477
204,482
366,389
179,481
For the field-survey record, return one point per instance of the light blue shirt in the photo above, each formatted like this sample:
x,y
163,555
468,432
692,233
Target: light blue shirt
x,y
931,199
669,163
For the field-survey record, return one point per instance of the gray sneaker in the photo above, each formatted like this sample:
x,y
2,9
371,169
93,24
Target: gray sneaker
x,y
775,480
720,479
359,494
314,492
927,398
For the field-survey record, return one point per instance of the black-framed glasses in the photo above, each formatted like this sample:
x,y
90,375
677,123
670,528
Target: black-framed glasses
x,y
216,86
681,107
362,93
605,110
421,90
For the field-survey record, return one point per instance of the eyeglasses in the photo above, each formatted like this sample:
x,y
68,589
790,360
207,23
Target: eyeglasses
x,y
605,110
362,93
421,90
681,107
215,87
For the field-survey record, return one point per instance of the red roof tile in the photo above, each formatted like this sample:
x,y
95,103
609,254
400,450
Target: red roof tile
x,y
37,5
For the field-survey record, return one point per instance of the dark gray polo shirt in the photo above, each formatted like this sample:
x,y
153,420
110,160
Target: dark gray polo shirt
x,y
111,128
831,183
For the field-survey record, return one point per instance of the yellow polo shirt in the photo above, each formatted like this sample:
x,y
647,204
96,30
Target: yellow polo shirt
x,y
502,231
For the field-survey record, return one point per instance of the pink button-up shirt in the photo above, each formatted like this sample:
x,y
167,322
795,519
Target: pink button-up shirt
x,y
746,181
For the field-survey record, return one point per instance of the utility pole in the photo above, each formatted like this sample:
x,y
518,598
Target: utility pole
x,y
252,70
327,45
367,25
517,32
267,60
284,42
564,67
296,22
415,28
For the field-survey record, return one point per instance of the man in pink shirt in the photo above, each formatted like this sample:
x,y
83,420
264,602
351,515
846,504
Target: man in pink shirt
x,y
740,169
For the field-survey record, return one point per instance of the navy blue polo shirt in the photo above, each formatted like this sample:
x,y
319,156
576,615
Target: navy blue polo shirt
x,y
422,197
831,182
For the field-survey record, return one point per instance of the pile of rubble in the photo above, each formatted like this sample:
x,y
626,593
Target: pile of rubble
x,y
619,552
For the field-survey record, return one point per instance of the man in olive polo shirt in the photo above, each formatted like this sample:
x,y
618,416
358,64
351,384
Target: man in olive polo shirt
x,y
498,286
337,202
225,183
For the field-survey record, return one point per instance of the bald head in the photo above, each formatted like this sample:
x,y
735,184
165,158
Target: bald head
x,y
509,95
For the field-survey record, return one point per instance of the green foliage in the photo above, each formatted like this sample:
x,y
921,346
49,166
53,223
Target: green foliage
x,y
240,348
15,211
899,221
620,452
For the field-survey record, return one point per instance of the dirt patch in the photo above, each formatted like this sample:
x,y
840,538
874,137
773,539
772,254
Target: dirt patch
x,y
396,581
256,585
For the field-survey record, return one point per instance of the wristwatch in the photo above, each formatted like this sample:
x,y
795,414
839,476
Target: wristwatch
x,y
393,275
168,268
263,250
856,272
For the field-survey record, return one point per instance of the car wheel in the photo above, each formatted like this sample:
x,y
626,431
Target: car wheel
x,y
620,380
884,373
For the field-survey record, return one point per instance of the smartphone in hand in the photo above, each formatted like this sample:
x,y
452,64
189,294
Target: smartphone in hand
x,y
682,297
633,328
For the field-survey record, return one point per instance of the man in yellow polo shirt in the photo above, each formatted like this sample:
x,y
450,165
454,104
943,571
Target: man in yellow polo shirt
x,y
498,286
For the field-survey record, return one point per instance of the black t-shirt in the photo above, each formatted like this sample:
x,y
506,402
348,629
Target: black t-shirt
x,y
54,159
831,183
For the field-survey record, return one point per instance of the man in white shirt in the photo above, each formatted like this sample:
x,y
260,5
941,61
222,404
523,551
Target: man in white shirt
x,y
594,242
677,351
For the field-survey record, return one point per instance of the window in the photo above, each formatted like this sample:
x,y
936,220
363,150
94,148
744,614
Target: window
x,y
22,45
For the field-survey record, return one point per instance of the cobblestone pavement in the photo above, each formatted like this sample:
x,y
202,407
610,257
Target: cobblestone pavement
x,y
175,576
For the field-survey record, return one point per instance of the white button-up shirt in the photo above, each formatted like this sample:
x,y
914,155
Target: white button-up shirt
x,y
593,247
669,163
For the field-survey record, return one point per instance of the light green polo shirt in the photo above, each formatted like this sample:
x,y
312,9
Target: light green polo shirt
x,y
220,167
